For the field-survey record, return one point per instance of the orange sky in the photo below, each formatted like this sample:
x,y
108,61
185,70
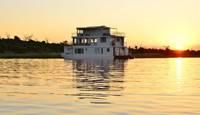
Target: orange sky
x,y
150,23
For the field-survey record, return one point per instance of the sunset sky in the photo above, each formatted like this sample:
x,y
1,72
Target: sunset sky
x,y
150,23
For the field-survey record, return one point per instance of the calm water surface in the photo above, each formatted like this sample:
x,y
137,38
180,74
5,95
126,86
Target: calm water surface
x,y
100,87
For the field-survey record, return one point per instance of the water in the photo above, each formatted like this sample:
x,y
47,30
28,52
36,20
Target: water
x,y
139,86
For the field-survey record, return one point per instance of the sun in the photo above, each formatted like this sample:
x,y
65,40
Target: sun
x,y
179,46
179,42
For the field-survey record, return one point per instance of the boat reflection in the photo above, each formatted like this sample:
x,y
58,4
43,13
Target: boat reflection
x,y
98,79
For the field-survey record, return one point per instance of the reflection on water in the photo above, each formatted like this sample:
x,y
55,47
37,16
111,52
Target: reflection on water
x,y
122,87
94,76
179,73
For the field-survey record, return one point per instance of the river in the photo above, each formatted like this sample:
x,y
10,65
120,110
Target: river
x,y
100,87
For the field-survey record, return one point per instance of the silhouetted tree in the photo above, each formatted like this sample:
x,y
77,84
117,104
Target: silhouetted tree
x,y
65,42
28,37
7,35
136,47
16,38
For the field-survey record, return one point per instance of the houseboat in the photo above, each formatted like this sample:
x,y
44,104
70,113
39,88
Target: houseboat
x,y
96,42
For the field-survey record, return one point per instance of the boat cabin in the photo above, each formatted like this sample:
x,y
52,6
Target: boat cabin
x,y
96,42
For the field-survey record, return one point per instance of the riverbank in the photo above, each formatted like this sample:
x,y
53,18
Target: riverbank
x,y
149,55
29,55
57,55
160,55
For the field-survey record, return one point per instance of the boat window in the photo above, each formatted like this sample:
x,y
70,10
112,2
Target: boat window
x,y
103,39
108,49
95,40
97,50
101,50
74,41
118,39
82,41
92,40
79,51
106,34
80,31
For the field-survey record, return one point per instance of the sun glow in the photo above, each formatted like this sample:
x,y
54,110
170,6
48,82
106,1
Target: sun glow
x,y
179,46
180,42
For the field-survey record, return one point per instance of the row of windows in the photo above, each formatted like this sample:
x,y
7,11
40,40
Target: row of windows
x,y
103,39
96,50
89,40
84,41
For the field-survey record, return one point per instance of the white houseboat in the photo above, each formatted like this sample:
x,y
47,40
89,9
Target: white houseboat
x,y
96,42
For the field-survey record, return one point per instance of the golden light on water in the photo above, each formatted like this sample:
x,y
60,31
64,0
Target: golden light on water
x,y
178,68
179,62
150,86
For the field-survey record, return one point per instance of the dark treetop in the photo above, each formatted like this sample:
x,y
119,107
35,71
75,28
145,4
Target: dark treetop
x,y
16,45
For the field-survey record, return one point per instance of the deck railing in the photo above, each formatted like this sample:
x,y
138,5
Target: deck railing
x,y
103,34
81,44
118,34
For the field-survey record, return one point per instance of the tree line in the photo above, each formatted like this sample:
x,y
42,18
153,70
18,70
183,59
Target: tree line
x,y
166,51
28,45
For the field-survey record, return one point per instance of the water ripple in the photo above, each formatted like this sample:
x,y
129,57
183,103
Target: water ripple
x,y
140,86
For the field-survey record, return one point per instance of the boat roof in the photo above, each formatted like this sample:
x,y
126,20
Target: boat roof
x,y
92,27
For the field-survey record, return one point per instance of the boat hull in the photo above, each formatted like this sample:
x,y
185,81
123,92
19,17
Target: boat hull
x,y
75,57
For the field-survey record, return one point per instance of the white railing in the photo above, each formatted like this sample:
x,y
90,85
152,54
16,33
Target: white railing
x,y
118,33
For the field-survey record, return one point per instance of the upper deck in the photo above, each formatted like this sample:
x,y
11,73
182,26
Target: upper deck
x,y
97,31
95,35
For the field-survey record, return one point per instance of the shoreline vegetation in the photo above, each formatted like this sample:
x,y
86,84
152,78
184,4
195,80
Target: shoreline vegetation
x,y
30,55
163,53
29,48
